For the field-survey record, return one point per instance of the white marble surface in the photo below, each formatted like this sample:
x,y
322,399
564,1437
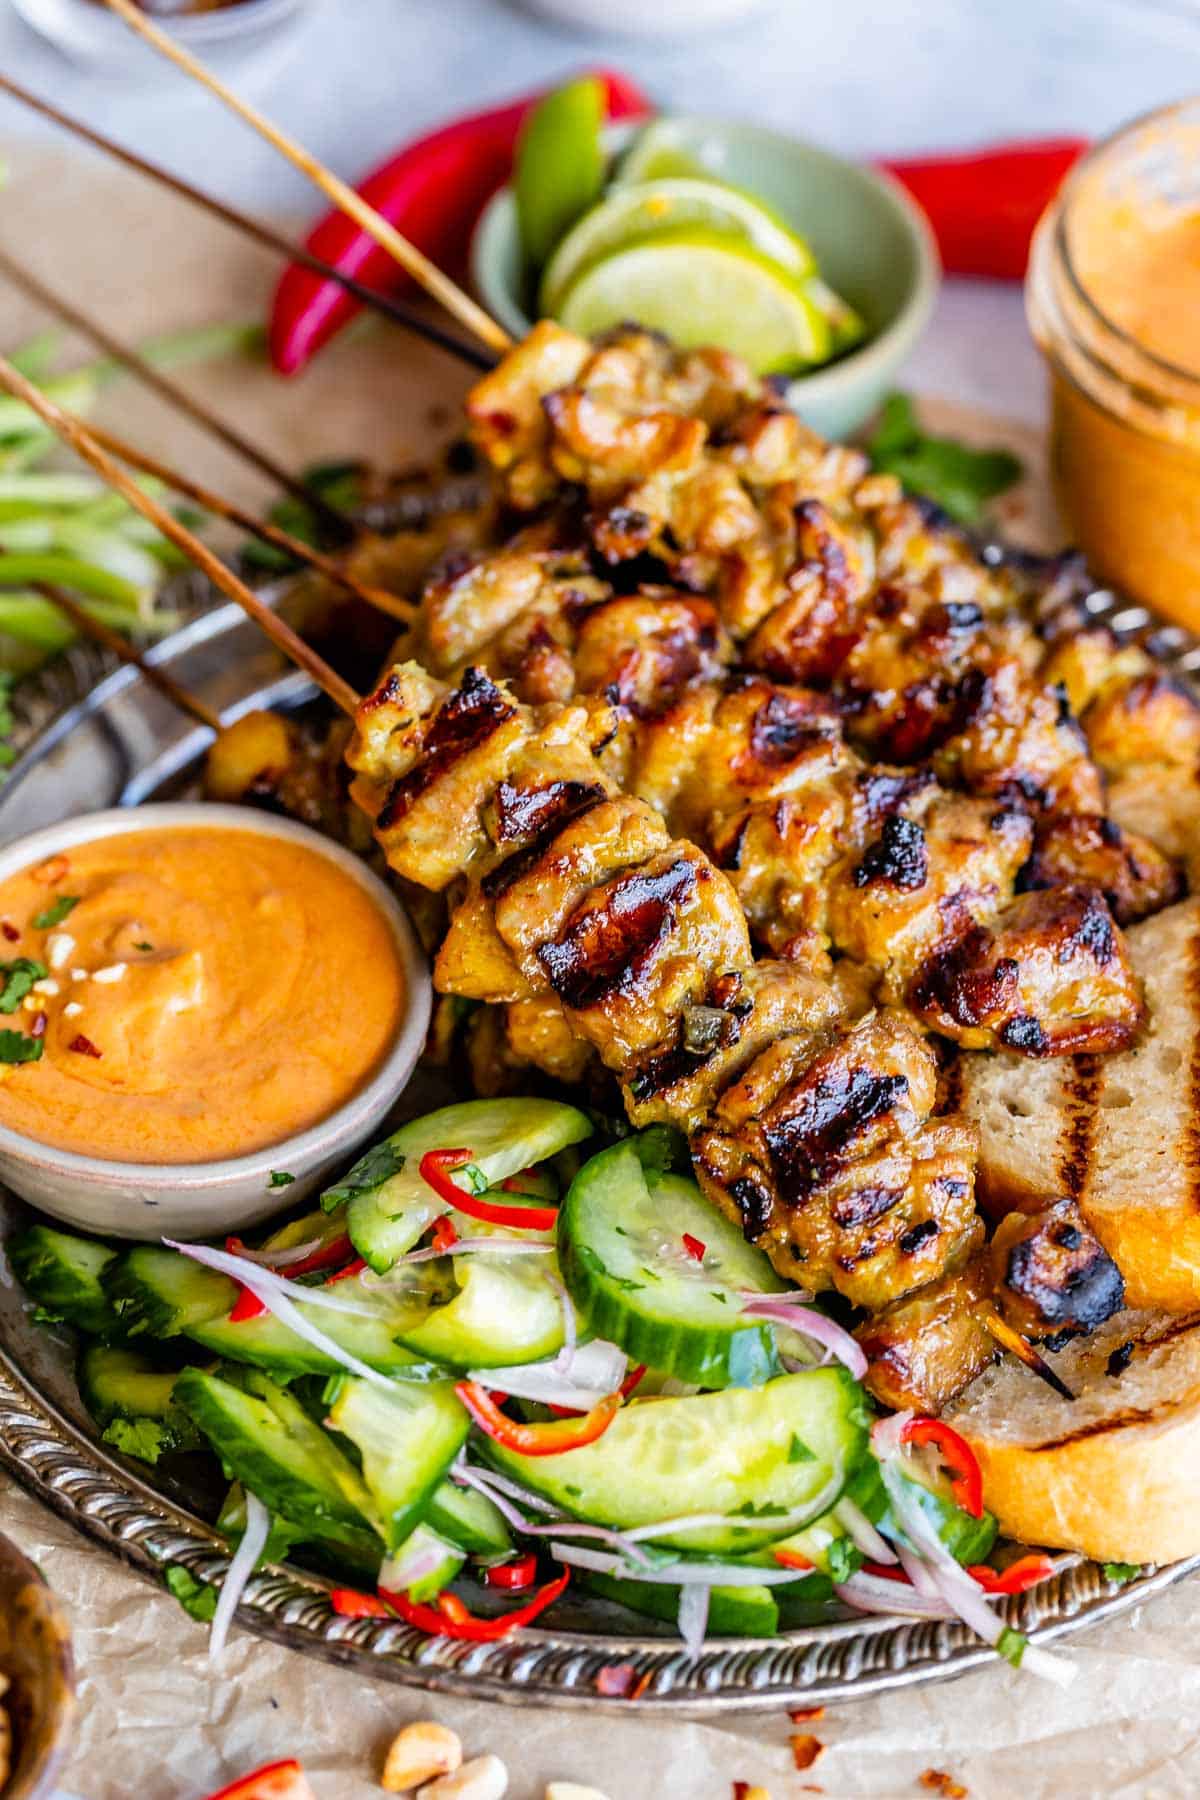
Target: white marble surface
x,y
360,76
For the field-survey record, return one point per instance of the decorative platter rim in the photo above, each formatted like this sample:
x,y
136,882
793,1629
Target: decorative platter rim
x,y
58,1462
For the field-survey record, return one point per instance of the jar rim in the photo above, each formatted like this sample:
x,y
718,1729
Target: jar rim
x,y
1060,209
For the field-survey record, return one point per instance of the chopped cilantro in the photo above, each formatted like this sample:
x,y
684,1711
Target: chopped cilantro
x,y
144,1438
57,911
379,1164
1011,1645
15,1047
959,479
280,1178
750,1511
143,945
716,1294
19,977
798,1451
843,1559
1121,1572
660,1148
195,1597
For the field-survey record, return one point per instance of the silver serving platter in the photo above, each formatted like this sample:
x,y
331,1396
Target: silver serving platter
x,y
92,735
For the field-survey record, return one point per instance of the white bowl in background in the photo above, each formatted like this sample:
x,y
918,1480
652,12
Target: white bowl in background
x,y
195,1200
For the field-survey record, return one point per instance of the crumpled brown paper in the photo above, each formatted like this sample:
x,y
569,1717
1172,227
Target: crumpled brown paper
x,y
156,1721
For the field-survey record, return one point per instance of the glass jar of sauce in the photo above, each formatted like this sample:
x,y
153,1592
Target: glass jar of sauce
x,y
1113,300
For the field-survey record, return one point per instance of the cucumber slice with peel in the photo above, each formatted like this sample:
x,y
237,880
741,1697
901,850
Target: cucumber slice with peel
x,y
391,1206
407,1436
267,1441
63,1273
764,1452
116,1383
621,1244
162,1293
732,1611
507,1310
417,1552
468,1519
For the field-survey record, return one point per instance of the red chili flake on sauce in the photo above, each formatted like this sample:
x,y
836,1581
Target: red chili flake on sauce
x,y
38,1028
695,1249
84,1046
10,931
806,1749
52,871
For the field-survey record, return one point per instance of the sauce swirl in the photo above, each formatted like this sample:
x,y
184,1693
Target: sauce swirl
x,y
198,993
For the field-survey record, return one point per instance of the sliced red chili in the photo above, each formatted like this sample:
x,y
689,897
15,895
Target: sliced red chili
x,y
515,1576
436,1167
792,1559
444,1235
352,1268
695,1249
327,1256
349,1604
450,1618
518,1184
956,1457
1019,1576
548,1439
886,1572
275,1781
247,1306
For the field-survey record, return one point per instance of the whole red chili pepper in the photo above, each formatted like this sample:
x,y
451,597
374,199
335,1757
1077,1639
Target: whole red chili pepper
x,y
983,205
436,1167
451,1619
433,191
956,1457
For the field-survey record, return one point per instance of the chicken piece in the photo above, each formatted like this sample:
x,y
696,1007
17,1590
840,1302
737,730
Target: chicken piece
x,y
1052,1277
1135,878
644,649
1049,977
508,423
949,857
1147,719
809,635
475,600
926,1347
825,1155
1087,659
540,1037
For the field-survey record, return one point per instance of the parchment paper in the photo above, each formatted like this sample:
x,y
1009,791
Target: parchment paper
x,y
156,1721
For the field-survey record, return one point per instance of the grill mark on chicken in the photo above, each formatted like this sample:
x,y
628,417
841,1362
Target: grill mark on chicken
x,y
1055,1279
497,882
473,713
864,1205
786,725
530,812
811,1134
898,858
605,949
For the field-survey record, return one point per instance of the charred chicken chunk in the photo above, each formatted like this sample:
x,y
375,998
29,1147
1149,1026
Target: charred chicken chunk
x,y
1052,1278
1134,877
1049,977
924,1348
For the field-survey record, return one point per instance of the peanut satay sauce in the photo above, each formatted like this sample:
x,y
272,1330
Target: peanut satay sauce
x,y
206,993
1141,266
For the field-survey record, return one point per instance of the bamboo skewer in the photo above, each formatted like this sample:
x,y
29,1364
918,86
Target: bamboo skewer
x,y
265,235
393,604
173,394
418,265
103,634
76,436
1010,1339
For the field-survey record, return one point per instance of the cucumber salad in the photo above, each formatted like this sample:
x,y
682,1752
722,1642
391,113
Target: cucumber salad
x,y
513,1351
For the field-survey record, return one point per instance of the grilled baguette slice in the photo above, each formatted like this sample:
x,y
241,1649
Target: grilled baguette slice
x,y
1115,1473
1120,1133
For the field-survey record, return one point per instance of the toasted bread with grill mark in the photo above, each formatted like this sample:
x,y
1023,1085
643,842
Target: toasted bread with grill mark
x,y
1164,806
1121,1133
1113,1474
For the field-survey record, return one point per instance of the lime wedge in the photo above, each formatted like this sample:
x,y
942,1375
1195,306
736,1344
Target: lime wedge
x,y
559,168
629,214
670,148
846,326
701,287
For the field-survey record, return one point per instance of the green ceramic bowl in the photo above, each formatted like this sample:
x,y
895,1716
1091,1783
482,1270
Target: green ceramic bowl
x,y
871,243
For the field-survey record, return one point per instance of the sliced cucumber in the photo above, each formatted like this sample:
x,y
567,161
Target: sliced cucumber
x,y
506,1311
267,1441
968,1540
161,1293
732,1611
621,1244
465,1517
390,1205
116,1383
759,1451
315,1228
415,1553
63,1273
407,1437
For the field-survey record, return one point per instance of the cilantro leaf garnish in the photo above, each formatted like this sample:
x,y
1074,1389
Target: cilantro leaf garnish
x,y
144,1438
1121,1572
195,1597
19,977
798,1451
57,911
15,1047
842,1559
280,1178
8,755
143,945
961,480
378,1165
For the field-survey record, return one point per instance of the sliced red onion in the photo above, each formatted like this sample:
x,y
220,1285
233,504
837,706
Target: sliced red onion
x,y
262,1281
861,1532
598,1370
918,1573
812,1324
268,1288
281,1259
241,1567
875,1594
887,1435
491,1482
692,1617
679,1574
790,1296
1051,1667
560,1527
565,1359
